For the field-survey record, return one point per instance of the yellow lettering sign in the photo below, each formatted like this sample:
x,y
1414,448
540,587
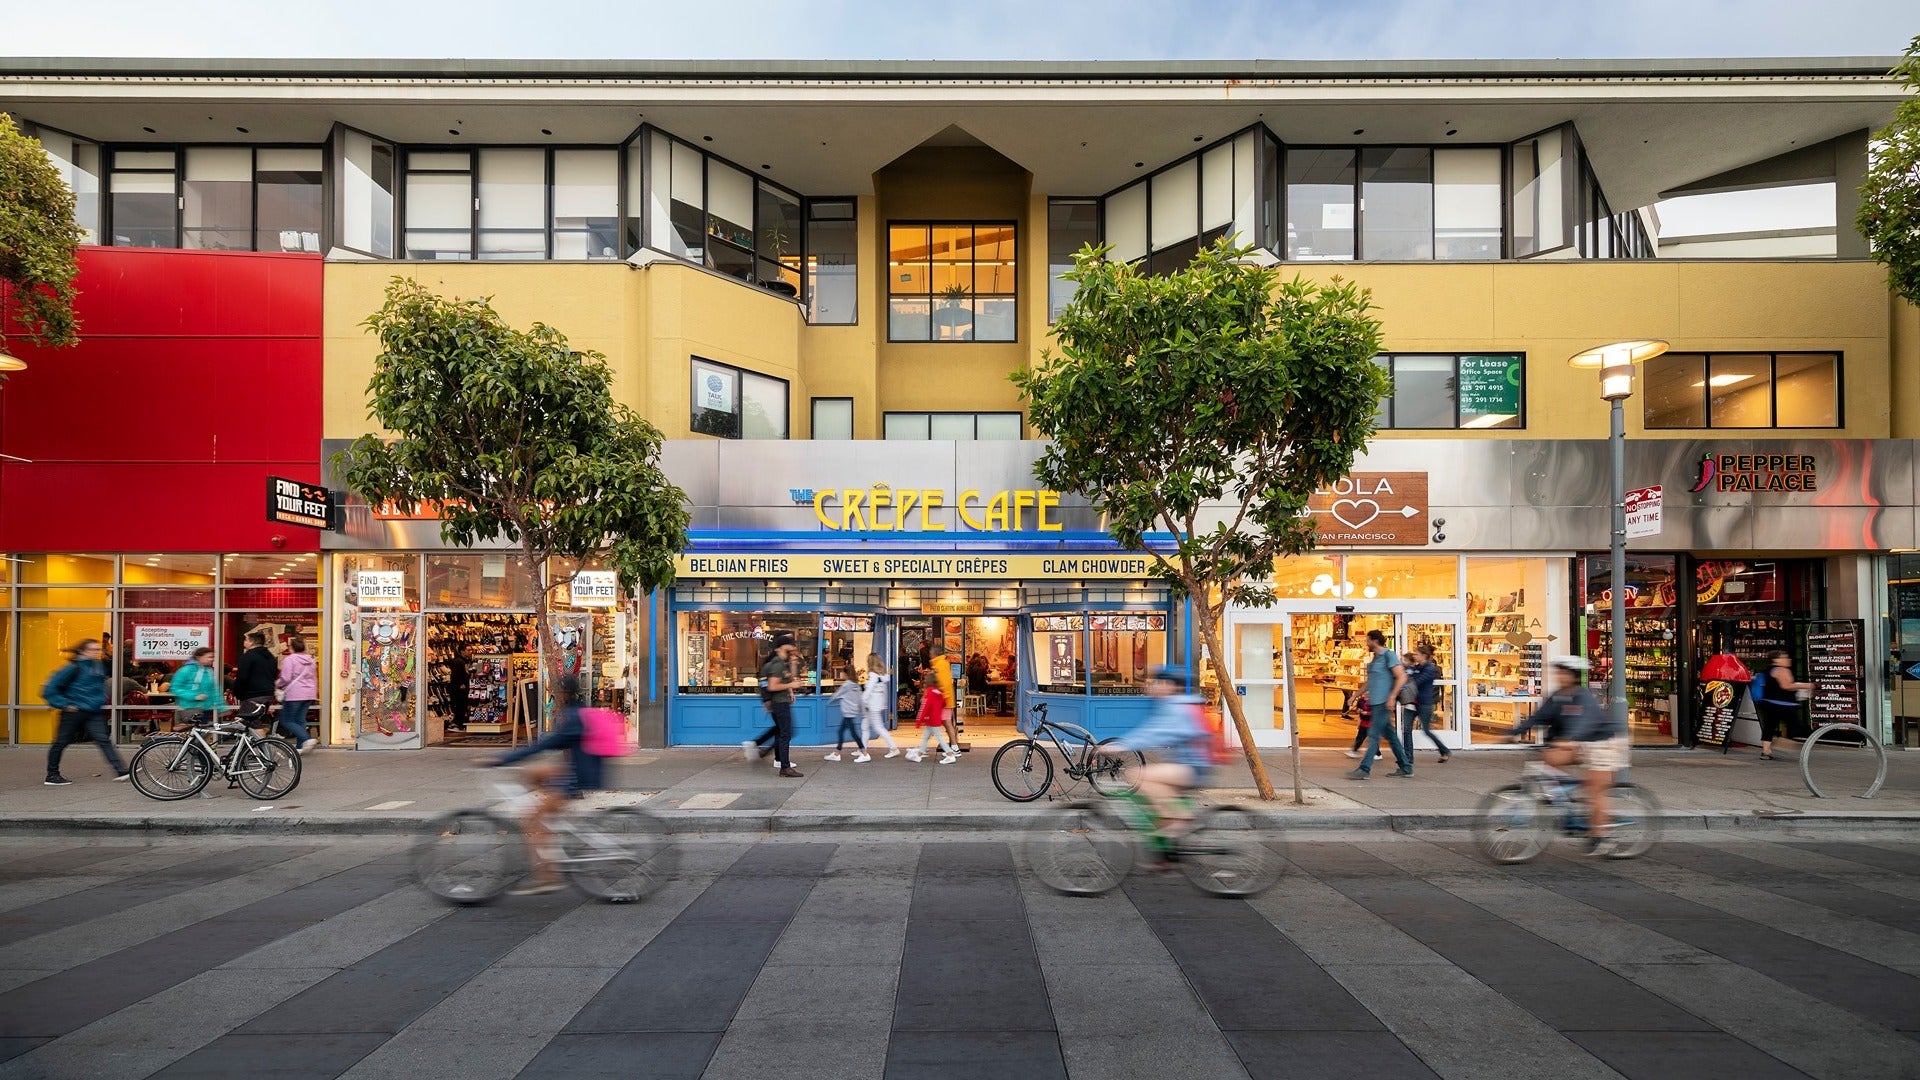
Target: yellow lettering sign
x,y
867,509
967,499
930,501
1048,500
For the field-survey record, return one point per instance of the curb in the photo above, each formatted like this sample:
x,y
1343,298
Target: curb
x,y
773,823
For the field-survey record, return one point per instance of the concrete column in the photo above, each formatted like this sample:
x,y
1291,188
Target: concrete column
x,y
1849,172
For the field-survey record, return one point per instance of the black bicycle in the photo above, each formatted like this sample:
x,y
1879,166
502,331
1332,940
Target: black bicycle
x,y
1023,769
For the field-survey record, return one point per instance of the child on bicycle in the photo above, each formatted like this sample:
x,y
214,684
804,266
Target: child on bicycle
x,y
1173,725
552,782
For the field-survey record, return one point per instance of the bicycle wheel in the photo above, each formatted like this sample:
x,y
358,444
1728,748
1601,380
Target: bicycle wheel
x,y
1022,770
619,855
268,769
1513,825
169,768
1633,820
1081,849
1111,771
469,856
1225,853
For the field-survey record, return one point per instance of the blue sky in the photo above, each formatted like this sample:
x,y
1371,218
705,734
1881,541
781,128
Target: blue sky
x,y
962,29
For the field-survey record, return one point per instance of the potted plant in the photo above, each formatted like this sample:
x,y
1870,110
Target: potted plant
x,y
953,311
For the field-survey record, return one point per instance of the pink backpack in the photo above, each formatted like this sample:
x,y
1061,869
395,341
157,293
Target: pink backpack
x,y
606,733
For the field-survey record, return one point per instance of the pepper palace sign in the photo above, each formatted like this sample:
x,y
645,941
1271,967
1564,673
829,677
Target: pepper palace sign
x,y
1372,509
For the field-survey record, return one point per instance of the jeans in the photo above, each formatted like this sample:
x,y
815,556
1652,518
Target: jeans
x,y
782,732
1423,714
1383,727
293,720
849,729
77,725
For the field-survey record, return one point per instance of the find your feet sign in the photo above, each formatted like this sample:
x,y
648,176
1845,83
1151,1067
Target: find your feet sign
x,y
1372,509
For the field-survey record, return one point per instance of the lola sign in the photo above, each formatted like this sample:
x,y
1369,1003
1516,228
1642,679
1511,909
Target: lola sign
x,y
1367,509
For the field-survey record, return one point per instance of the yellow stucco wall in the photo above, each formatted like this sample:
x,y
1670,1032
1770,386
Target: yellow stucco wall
x,y
650,320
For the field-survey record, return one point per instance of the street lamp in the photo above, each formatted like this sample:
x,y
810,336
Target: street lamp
x,y
1615,363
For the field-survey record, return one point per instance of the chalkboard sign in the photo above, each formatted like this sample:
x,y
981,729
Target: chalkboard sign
x,y
1719,701
1833,666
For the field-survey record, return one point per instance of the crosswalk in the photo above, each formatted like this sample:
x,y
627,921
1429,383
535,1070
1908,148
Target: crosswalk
x,y
869,956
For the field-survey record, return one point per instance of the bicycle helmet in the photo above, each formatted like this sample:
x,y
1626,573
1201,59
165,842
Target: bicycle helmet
x,y
1174,675
1575,664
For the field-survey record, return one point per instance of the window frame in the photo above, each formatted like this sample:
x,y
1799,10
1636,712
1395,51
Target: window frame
x,y
179,151
648,242
1099,205
807,264
694,360
976,414
1705,357
813,415
973,263
1262,227
1520,418
33,128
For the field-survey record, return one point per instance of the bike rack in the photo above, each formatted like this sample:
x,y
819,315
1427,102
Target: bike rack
x,y
1806,758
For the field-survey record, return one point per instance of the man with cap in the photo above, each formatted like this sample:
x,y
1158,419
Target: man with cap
x,y
778,677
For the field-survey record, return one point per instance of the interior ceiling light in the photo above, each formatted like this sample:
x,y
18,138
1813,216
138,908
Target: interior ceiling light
x,y
1723,380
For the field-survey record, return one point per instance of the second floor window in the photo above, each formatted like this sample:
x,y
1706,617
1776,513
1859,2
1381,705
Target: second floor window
x,y
1472,391
956,426
951,282
1741,390
732,403
216,198
512,203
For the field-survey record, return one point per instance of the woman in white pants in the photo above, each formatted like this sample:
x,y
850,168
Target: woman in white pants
x,y
875,699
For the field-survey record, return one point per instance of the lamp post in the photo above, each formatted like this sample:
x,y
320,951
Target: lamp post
x,y
1615,363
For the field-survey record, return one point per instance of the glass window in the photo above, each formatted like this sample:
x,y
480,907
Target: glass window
x,y
479,581
1466,204
78,162
734,404
1216,188
832,261
1396,203
686,180
1127,223
1423,392
957,426
1320,203
1538,207
765,413
366,170
47,639
729,204
64,569
1122,648
142,200
439,205
1403,577
586,204
832,418
287,193
906,426
1475,390
1741,390
1071,225
952,282
1175,194
720,652
1060,653
997,426
217,198
513,204
778,241
951,426
849,641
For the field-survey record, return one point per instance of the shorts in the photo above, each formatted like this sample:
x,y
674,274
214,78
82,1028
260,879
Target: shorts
x,y
1607,754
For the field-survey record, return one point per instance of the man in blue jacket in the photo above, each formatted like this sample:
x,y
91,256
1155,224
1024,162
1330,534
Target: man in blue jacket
x,y
1173,725
79,691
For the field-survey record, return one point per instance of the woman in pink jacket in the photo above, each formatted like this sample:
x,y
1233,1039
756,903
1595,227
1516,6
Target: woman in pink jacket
x,y
299,683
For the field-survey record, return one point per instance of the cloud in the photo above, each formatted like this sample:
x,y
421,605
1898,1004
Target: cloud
x,y
975,29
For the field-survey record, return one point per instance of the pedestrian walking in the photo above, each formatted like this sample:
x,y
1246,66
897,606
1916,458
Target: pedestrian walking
x,y
1385,677
1777,697
1422,673
778,676
79,691
847,702
946,673
299,685
1356,707
874,702
196,689
253,682
933,719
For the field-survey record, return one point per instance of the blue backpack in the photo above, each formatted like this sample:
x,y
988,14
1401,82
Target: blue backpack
x,y
1758,689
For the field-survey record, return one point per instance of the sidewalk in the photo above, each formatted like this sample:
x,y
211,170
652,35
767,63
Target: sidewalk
x,y
712,790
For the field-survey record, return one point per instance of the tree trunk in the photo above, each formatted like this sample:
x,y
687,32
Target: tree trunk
x,y
1210,634
543,643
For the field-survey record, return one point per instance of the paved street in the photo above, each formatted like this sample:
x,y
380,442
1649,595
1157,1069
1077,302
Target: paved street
x,y
879,956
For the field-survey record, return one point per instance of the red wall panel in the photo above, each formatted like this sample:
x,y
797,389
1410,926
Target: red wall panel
x,y
198,375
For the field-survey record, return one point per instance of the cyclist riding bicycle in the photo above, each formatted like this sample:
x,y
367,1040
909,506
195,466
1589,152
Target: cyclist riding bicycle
x,y
1579,730
1173,725
551,782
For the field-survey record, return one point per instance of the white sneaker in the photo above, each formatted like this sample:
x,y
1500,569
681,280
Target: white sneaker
x,y
915,755
862,757
949,759
1353,753
895,752
308,745
751,749
835,756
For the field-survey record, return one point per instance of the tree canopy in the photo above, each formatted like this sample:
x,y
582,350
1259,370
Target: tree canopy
x,y
512,434
1890,197
1206,406
38,239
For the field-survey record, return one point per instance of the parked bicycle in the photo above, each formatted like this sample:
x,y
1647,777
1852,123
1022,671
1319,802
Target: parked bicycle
x,y
619,855
1087,848
1023,769
177,765
1517,822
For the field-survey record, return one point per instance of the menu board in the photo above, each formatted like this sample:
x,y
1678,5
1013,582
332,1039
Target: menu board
x,y
1718,701
1833,665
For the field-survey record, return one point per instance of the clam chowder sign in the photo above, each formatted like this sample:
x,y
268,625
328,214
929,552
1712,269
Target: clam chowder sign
x,y
1366,509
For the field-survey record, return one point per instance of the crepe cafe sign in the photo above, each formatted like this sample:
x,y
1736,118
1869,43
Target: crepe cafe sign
x,y
1372,508
888,509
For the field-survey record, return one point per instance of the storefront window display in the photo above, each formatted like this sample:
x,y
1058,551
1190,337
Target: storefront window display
x,y
1653,641
1107,653
849,639
721,651
1509,634
380,598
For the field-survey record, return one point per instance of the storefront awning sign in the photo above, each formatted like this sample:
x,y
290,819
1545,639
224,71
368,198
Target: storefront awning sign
x,y
290,502
1367,509
953,567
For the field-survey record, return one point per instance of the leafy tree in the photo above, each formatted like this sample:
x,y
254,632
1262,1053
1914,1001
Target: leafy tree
x,y
512,433
1208,404
1890,198
38,239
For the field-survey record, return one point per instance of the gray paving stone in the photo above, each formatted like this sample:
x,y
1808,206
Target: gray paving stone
x,y
1326,924
294,1056
513,1001
351,935
1326,1055
133,890
652,1055
829,1043
791,992
1202,1054
974,1055
1683,1055
417,1054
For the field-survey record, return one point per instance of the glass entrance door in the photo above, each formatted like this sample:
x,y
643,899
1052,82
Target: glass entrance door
x,y
1329,672
1437,638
